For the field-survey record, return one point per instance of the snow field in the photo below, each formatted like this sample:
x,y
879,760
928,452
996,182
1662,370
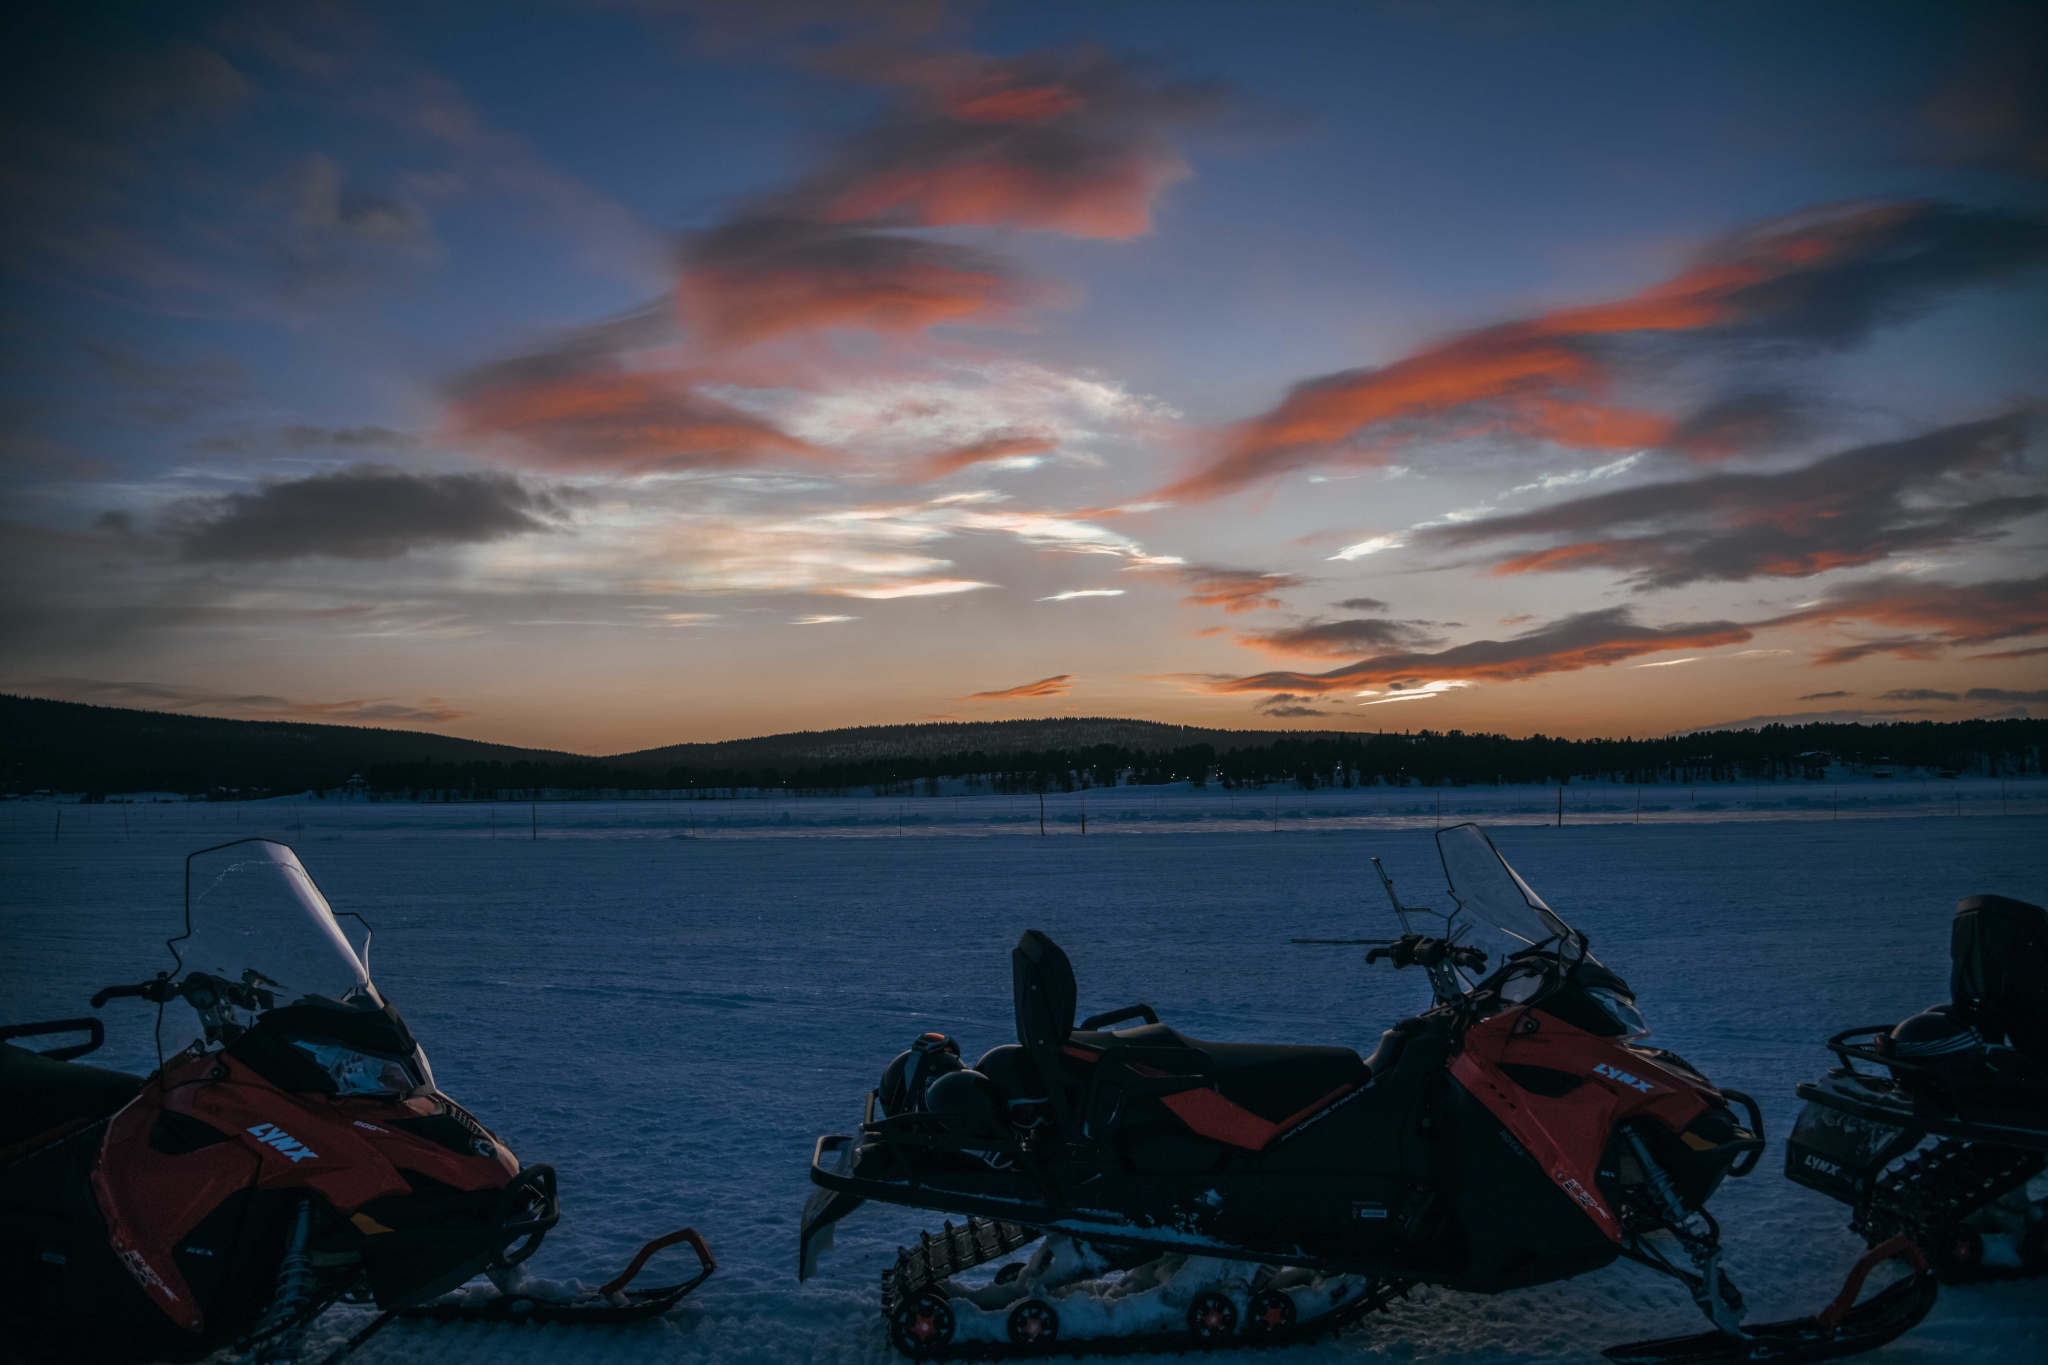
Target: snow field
x,y
672,1022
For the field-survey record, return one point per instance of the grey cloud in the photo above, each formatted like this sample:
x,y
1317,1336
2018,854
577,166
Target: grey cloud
x,y
1344,639
1917,694
1850,508
309,437
1890,264
367,512
2005,694
1287,704
150,696
168,390
1360,604
1825,696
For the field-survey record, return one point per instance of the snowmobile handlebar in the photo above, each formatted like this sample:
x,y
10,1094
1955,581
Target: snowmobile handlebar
x,y
1416,950
157,991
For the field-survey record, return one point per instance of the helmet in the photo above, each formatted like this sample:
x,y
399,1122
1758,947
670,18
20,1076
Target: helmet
x,y
904,1080
966,1101
1939,1037
1010,1067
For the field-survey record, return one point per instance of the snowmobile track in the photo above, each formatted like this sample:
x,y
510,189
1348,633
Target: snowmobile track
x,y
940,1256
1932,1192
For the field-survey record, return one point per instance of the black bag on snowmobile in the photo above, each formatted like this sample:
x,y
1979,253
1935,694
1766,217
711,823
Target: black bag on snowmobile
x,y
1998,974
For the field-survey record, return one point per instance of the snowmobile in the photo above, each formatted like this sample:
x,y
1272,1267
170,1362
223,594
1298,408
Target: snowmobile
x,y
1941,1136
1189,1195
295,1153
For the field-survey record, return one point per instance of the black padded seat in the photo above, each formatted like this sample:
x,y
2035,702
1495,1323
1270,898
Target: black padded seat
x,y
45,1098
1276,1081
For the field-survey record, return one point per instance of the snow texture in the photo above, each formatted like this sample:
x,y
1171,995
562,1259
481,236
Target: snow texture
x,y
672,1021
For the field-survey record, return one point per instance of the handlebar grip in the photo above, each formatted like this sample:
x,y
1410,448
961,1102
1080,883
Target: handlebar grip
x,y
158,990
1375,954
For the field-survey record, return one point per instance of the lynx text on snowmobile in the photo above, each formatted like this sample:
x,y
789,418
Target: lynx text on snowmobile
x,y
294,1153
1941,1135
1194,1195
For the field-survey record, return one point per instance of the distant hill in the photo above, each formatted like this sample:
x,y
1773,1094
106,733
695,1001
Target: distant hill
x,y
72,747
938,738
69,747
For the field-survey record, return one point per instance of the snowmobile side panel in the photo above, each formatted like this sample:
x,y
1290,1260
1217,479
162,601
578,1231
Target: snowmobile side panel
x,y
1513,1225
1567,1132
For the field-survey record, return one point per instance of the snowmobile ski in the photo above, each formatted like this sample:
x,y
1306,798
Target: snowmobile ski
x,y
610,1303
1843,1328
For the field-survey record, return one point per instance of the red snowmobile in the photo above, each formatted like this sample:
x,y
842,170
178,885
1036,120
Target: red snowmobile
x,y
293,1154
1193,1195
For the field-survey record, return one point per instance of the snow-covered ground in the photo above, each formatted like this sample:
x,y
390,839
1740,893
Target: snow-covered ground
x,y
670,1021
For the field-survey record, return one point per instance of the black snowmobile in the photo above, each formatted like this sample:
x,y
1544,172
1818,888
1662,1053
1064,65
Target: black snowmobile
x,y
1941,1135
1192,1195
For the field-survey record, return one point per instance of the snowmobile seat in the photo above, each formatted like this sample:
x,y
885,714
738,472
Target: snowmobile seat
x,y
47,1098
1998,972
1260,1089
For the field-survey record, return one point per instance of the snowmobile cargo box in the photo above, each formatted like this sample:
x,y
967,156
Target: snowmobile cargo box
x,y
1998,955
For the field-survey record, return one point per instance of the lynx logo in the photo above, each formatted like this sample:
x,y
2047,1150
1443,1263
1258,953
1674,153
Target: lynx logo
x,y
1828,1168
270,1135
1632,1082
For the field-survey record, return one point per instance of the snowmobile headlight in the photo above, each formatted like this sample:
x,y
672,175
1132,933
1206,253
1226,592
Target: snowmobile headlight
x,y
359,1073
1623,1011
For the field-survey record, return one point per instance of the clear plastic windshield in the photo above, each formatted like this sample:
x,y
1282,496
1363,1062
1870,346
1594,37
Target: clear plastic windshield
x,y
1493,900
256,923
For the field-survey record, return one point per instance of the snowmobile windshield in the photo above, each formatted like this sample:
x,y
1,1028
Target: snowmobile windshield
x,y
260,935
1493,899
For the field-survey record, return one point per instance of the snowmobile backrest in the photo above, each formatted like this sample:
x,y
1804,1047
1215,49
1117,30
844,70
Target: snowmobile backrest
x,y
1043,980
1998,972
1045,990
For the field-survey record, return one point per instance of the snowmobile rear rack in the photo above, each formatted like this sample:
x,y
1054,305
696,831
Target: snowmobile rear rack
x,y
1883,1108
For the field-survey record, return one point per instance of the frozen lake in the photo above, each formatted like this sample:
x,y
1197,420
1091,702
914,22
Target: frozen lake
x,y
671,1021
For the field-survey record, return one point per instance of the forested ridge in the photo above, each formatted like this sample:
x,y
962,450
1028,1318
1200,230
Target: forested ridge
x,y
66,747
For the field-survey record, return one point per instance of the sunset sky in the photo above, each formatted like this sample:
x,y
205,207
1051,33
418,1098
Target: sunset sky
x,y
599,376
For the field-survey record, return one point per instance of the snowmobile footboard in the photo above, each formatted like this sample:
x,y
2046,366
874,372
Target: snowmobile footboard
x,y
1843,1328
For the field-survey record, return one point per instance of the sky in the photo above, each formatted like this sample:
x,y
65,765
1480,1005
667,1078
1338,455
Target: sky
x,y
606,375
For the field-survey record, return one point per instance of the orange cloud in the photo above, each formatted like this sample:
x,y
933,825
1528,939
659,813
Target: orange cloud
x,y
1073,142
1824,278
1057,686
1234,590
1593,639
617,420
999,447
758,277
